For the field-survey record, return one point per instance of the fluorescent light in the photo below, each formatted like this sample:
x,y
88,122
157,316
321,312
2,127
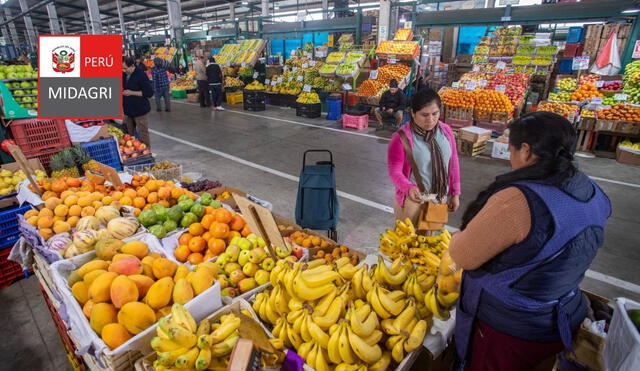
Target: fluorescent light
x,y
630,11
245,3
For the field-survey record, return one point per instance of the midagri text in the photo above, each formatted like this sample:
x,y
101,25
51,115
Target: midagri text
x,y
70,92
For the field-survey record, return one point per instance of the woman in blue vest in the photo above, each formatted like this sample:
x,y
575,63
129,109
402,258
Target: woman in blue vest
x,y
525,244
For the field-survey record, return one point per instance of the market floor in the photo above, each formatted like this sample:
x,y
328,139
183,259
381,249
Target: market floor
x,y
261,152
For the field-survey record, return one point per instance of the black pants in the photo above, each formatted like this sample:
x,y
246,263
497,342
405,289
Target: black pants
x,y
203,92
215,90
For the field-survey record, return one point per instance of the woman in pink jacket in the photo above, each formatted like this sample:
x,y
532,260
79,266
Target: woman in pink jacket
x,y
434,150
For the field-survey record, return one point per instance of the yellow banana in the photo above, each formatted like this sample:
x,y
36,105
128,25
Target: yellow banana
x,y
322,278
344,346
426,281
169,358
367,282
374,338
312,355
331,316
161,345
281,301
294,338
317,334
302,327
347,271
382,364
294,304
397,295
395,266
447,300
181,336
392,306
397,352
405,317
204,328
388,327
273,276
363,311
356,282
432,303
277,343
308,293
369,354
304,349
333,351
225,329
203,342
393,340
271,314
431,258
188,359
288,281
321,363
372,298
258,301
346,367
293,316
366,327
225,347
342,261
323,304
203,360
416,337
181,317
316,263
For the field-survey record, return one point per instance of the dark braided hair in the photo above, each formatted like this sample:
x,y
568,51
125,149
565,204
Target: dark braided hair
x,y
551,138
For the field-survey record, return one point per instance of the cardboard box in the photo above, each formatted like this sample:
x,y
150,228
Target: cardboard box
x,y
627,156
102,133
474,134
500,150
12,201
193,97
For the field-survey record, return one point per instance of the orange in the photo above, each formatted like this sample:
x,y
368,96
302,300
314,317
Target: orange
x,y
237,223
197,244
164,203
107,200
139,202
143,192
61,210
151,185
195,258
207,236
136,211
196,229
84,201
129,192
220,230
223,215
245,231
216,246
182,253
176,192
207,220
126,200
164,193
209,210
152,198
117,195
184,239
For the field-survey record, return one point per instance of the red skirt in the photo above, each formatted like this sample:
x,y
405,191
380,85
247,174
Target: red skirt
x,y
492,350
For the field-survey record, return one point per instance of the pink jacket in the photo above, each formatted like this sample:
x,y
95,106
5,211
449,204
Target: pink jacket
x,y
399,167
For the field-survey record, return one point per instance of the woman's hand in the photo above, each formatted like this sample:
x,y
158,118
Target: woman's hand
x,y
415,195
454,203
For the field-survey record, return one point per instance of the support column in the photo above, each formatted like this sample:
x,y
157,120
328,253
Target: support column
x,y
86,22
232,11
64,26
325,6
265,8
383,20
28,24
94,17
54,25
491,3
12,28
120,18
5,31
175,20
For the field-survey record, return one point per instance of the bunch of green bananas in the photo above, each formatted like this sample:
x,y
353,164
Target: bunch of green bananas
x,y
181,344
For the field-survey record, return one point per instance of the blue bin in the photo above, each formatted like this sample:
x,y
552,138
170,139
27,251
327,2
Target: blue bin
x,y
334,108
565,66
104,151
9,232
575,34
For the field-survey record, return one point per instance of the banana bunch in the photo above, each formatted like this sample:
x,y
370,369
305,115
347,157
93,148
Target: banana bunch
x,y
308,98
393,276
255,85
405,332
181,344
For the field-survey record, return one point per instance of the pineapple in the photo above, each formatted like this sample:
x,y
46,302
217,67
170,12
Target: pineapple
x,y
85,160
63,163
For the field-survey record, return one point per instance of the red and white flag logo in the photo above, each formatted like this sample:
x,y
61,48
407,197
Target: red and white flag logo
x,y
63,59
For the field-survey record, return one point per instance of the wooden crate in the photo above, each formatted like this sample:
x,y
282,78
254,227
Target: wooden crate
x,y
471,149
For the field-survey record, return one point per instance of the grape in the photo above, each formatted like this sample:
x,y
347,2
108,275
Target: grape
x,y
202,185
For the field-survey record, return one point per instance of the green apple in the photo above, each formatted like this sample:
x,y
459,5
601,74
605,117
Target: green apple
x,y
230,267
233,252
268,264
261,242
253,238
243,257
243,243
250,269
236,276
261,277
221,261
234,240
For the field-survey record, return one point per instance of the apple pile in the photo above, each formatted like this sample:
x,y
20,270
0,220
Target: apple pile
x,y
130,147
245,264
611,87
516,85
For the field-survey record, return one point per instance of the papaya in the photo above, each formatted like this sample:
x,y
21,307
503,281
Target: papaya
x,y
181,272
91,276
106,249
182,291
147,266
200,281
86,308
73,278
159,294
138,249
136,317
114,335
143,283
210,266
163,267
80,291
127,266
123,290
117,257
101,315
99,291
91,266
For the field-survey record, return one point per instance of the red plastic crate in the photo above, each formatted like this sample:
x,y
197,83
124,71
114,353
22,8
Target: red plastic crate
x,y
40,135
356,122
44,156
9,271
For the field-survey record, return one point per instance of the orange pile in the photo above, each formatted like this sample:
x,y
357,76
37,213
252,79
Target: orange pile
x,y
620,112
370,88
562,109
585,91
306,240
392,71
458,98
210,237
398,47
492,101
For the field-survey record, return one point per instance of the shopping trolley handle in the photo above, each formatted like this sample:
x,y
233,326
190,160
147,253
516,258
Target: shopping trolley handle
x,y
304,157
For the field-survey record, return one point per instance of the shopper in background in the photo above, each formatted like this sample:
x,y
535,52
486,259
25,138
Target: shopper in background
x,y
392,104
203,84
214,78
136,91
525,245
433,147
160,83
140,63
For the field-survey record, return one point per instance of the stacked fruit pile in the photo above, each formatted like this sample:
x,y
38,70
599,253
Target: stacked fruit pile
x,y
371,88
563,109
458,98
308,98
516,85
337,253
183,83
335,58
403,34
620,112
567,84
393,71
209,233
255,85
24,92
492,101
127,288
586,91
328,69
632,82
346,69
130,147
404,49
354,57
161,220
611,87
245,71
232,82
10,181
561,96
588,78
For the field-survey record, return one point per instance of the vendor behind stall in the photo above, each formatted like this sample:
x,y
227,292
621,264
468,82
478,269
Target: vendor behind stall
x,y
392,104
525,245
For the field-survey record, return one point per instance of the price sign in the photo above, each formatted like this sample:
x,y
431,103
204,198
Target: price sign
x,y
373,74
285,68
243,64
294,69
580,63
470,85
346,86
306,88
482,83
312,63
596,100
501,65
476,68
599,84
392,59
274,83
455,84
255,75
621,97
300,78
290,78
267,81
501,88
305,65
279,79
293,53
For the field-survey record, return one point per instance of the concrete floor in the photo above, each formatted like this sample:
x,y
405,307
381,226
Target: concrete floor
x,y
262,154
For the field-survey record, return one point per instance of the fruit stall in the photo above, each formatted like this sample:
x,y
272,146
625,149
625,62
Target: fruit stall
x,y
19,91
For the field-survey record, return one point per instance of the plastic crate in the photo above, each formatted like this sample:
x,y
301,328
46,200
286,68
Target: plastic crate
x,y
357,122
565,66
234,97
310,111
9,271
104,151
9,220
40,135
575,34
572,50
44,156
178,94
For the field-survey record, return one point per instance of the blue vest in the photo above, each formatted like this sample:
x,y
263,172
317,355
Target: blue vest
x,y
531,291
